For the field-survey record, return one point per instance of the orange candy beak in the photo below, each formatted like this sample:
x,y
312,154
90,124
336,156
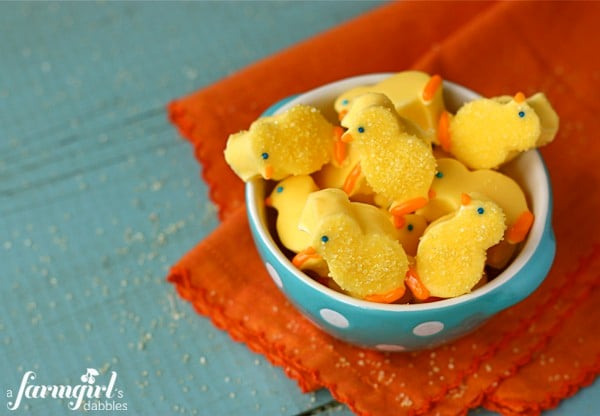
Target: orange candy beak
x,y
268,171
444,131
434,83
519,97
465,199
346,137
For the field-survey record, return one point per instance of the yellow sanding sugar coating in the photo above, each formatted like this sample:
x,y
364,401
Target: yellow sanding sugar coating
x,y
486,133
549,119
361,264
397,165
296,142
451,255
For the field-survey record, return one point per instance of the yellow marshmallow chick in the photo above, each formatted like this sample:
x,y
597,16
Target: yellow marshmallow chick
x,y
358,243
452,252
549,119
396,164
416,96
288,198
298,141
343,102
485,133
409,233
453,179
341,176
334,175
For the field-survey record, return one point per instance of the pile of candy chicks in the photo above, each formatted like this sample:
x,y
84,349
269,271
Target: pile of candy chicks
x,y
403,201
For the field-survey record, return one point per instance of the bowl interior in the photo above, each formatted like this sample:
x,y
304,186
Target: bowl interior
x,y
528,170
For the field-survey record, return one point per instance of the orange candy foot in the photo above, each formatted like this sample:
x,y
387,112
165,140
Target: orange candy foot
x,y
407,207
415,285
519,230
388,297
303,256
340,146
352,179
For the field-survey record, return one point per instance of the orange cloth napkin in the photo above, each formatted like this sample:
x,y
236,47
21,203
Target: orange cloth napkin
x,y
524,360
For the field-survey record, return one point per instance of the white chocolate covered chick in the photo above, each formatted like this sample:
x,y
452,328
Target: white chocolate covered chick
x,y
397,165
343,102
288,198
487,132
409,233
415,95
334,175
452,252
453,179
298,141
358,243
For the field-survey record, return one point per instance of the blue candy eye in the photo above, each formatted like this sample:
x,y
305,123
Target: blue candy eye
x,y
410,227
345,102
439,175
361,129
521,113
324,239
264,155
480,210
279,189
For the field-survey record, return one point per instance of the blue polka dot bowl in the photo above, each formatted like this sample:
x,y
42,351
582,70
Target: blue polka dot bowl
x,y
408,327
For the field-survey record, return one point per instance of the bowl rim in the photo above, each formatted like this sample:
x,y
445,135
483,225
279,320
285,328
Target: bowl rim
x,y
527,249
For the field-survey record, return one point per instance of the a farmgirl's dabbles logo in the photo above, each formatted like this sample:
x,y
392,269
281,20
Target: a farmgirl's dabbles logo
x,y
86,396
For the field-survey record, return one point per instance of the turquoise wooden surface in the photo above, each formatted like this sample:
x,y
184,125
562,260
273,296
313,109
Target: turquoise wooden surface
x,y
99,197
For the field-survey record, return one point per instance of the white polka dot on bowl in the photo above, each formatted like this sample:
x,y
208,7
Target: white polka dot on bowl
x,y
274,275
428,328
334,318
